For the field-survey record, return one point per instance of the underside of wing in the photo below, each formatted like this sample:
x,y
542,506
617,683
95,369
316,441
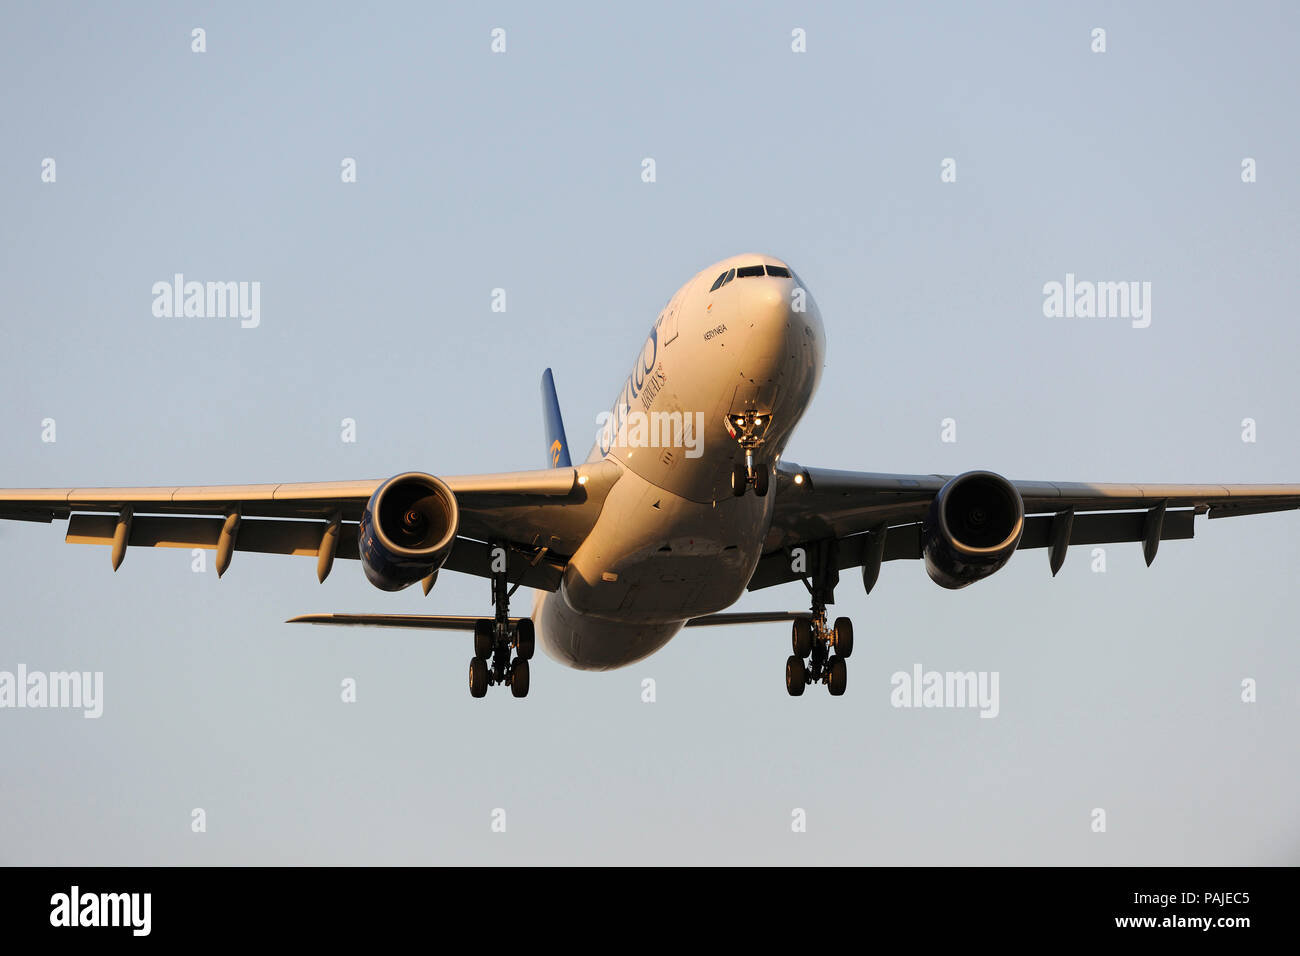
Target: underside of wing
x,y
843,519
813,503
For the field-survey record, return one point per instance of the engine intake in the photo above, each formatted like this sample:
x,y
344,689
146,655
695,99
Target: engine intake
x,y
407,530
973,526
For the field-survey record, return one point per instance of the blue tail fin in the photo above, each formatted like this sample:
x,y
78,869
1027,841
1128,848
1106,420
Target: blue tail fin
x,y
557,450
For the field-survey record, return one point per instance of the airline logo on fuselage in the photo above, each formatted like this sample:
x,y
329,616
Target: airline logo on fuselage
x,y
645,382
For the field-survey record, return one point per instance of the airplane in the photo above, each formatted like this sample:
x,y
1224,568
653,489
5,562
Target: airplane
x,y
683,504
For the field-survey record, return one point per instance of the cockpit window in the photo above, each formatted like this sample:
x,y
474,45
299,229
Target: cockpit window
x,y
746,272
722,280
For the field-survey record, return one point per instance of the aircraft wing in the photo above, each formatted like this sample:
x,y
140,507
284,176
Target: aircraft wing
x,y
543,515
863,518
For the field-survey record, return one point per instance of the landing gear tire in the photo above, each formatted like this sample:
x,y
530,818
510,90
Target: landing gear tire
x,y
519,678
739,480
843,636
795,676
478,677
483,641
838,679
760,482
525,639
801,640
502,645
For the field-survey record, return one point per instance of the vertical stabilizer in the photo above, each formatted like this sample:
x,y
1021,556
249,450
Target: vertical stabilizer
x,y
557,446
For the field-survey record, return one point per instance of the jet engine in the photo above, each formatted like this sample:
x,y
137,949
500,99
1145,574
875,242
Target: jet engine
x,y
974,524
407,530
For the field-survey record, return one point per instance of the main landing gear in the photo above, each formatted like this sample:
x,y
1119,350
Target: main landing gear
x,y
494,642
812,661
749,428
820,650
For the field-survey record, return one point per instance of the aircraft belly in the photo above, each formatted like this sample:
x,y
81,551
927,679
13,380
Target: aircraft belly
x,y
652,561
656,556
589,643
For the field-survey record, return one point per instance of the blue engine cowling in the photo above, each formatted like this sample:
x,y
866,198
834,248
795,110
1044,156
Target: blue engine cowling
x,y
973,527
407,530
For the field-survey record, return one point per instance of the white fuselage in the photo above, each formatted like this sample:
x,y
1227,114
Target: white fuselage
x,y
672,541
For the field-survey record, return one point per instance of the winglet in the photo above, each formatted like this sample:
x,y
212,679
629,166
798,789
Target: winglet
x,y
557,446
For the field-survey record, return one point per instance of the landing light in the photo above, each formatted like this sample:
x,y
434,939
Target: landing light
x,y
798,479
582,479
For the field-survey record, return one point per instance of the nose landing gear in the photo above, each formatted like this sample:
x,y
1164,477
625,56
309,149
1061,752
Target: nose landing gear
x,y
749,429
495,640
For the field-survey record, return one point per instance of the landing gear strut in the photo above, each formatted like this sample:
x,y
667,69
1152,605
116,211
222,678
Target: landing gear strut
x,y
813,640
749,428
494,641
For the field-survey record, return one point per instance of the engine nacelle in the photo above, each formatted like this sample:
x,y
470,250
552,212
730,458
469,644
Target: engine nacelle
x,y
974,524
407,530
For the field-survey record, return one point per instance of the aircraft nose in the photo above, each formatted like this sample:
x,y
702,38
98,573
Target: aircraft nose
x,y
773,327
771,301
769,311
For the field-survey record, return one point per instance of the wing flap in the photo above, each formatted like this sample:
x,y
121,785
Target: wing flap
x,y
1232,510
902,542
532,570
1109,528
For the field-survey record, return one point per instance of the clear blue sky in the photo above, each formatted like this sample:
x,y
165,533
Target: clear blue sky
x,y
522,171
